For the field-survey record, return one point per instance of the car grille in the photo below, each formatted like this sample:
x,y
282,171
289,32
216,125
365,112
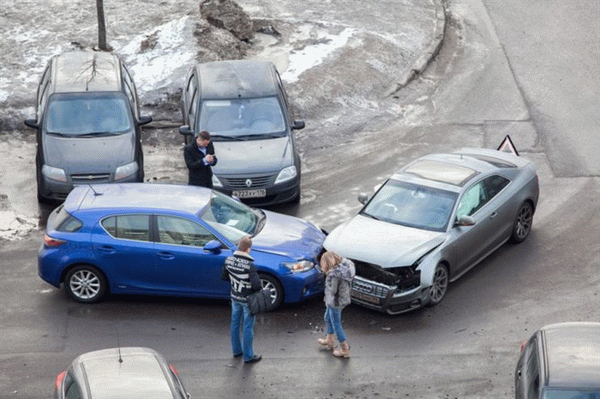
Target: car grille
x,y
240,183
400,278
368,287
90,178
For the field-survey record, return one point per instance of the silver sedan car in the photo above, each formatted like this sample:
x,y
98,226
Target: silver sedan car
x,y
431,222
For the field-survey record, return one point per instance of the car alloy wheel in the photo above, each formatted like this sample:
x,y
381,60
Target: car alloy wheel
x,y
523,222
274,287
438,289
85,284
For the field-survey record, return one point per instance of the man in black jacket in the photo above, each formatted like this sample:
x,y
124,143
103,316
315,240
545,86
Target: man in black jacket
x,y
199,156
239,269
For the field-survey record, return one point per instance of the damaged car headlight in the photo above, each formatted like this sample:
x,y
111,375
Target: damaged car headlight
x,y
299,266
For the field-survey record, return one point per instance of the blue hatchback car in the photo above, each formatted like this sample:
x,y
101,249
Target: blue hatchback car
x,y
160,239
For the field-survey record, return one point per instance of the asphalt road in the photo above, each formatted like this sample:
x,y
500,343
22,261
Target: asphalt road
x,y
479,88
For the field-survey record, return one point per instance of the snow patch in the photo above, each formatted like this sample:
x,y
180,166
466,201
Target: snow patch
x,y
314,55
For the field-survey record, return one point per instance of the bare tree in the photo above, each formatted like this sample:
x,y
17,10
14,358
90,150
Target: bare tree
x,y
101,26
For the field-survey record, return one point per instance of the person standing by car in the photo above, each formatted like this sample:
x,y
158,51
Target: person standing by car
x,y
199,157
239,269
339,273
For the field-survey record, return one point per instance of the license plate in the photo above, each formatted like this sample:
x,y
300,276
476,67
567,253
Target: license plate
x,y
250,193
366,297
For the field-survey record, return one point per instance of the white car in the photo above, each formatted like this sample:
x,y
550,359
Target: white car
x,y
431,222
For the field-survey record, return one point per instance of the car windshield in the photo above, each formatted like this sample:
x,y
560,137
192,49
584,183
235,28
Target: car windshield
x,y
412,205
557,393
88,115
232,218
243,119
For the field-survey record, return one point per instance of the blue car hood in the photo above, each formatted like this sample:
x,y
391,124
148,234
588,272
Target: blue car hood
x,y
288,236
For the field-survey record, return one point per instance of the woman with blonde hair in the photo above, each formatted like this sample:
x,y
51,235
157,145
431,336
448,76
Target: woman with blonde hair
x,y
339,273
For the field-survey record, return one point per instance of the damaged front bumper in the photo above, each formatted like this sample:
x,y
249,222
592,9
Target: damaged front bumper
x,y
386,291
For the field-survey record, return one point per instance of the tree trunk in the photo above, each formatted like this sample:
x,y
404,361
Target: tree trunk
x,y
101,26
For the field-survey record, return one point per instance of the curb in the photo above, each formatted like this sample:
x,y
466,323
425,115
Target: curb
x,y
425,59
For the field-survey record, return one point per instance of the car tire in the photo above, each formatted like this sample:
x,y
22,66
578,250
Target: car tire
x,y
523,222
85,284
439,287
274,287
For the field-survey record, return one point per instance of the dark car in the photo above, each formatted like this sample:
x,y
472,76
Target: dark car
x,y
560,361
244,106
88,124
132,373
160,239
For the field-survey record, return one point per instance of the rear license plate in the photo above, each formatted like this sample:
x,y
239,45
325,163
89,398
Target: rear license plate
x,y
367,298
250,193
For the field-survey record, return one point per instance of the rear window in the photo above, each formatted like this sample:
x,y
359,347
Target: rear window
x,y
61,220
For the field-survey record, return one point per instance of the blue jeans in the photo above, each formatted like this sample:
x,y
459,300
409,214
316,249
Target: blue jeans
x,y
242,321
333,320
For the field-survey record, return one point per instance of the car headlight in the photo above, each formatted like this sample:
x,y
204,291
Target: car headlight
x,y
54,173
126,170
216,182
299,266
286,174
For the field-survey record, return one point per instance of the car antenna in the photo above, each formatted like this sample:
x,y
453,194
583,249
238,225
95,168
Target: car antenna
x,y
95,192
119,345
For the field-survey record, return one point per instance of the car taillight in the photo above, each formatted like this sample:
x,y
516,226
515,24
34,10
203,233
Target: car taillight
x,y
52,242
59,380
174,370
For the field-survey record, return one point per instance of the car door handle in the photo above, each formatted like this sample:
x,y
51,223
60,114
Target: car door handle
x,y
166,255
493,215
107,249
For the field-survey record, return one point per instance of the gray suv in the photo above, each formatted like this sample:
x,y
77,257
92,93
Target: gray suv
x,y
244,106
88,124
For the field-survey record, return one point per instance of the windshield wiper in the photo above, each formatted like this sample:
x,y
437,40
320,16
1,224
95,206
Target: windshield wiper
x,y
369,215
59,134
98,134
262,136
219,137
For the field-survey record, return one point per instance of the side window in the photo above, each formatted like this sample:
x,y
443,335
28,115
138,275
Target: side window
x,y
192,97
70,225
179,231
129,89
493,185
471,201
128,227
72,390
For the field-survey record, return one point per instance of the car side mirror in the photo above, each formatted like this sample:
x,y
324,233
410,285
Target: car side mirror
x,y
363,198
186,131
298,125
213,246
31,123
144,120
465,221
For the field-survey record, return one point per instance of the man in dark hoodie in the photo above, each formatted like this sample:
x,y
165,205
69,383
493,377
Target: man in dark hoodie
x,y
239,269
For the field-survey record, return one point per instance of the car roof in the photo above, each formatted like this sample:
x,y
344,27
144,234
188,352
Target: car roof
x,y
83,71
139,196
455,170
135,373
572,352
237,79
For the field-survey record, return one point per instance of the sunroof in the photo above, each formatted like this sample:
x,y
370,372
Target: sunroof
x,y
441,172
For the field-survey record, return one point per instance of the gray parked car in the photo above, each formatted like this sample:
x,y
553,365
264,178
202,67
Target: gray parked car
x,y
244,106
431,222
560,361
88,124
132,373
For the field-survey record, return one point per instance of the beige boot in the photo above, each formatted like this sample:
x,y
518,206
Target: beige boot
x,y
342,351
326,342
